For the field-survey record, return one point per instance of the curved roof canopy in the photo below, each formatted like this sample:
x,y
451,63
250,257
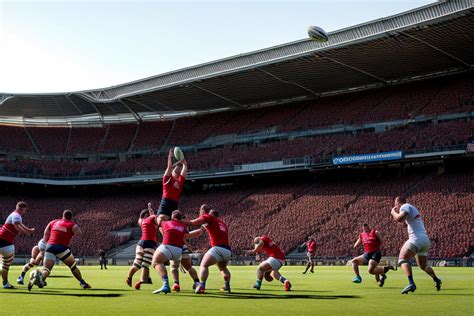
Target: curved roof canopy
x,y
432,40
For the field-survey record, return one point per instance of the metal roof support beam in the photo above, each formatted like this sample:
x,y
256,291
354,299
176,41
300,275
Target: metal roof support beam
x,y
73,104
353,68
148,107
217,95
317,94
97,110
134,113
465,64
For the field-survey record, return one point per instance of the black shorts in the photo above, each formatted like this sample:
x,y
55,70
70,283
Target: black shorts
x,y
167,206
4,243
374,255
147,244
57,250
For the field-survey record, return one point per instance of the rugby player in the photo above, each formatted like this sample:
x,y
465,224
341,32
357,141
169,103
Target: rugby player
x,y
220,251
276,259
417,244
173,183
371,240
148,221
174,233
8,232
186,265
37,255
311,253
58,234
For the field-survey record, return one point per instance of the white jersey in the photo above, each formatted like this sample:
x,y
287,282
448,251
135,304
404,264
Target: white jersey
x,y
416,228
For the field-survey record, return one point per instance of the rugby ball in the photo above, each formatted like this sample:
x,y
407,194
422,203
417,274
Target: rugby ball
x,y
317,34
268,276
178,154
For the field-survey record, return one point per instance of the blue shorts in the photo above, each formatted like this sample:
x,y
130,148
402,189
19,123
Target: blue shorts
x,y
167,206
374,255
148,244
57,251
4,243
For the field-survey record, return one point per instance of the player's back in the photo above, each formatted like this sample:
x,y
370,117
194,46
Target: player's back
x,y
61,232
271,248
150,228
416,228
217,231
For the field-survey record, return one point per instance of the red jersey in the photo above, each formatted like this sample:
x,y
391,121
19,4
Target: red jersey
x,y
173,233
150,228
216,229
61,232
272,249
370,241
8,231
311,245
172,187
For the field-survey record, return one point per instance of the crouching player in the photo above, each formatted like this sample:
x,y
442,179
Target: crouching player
x,y
58,233
37,255
371,240
276,259
174,233
146,247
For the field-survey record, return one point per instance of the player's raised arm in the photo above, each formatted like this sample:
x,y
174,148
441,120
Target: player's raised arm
x,y
169,167
184,171
150,209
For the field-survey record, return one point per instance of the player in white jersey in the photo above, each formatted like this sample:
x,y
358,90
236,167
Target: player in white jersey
x,y
37,255
417,244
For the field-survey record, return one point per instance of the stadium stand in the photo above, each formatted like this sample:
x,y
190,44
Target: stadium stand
x,y
332,211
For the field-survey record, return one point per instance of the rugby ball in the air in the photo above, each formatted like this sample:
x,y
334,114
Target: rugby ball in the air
x,y
178,154
317,34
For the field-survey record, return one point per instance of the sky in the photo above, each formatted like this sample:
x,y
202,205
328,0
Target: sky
x,y
60,46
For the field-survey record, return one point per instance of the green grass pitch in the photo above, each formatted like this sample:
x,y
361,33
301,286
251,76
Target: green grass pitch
x,y
328,291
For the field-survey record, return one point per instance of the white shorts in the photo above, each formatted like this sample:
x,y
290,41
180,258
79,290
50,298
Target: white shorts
x,y
7,250
42,245
275,263
170,252
418,246
220,253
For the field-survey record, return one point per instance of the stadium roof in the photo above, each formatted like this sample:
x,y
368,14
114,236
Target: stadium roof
x,y
427,41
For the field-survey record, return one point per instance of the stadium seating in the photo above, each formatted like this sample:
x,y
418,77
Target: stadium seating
x,y
14,139
332,211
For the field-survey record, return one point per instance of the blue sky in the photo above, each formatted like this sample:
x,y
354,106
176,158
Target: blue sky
x,y
56,46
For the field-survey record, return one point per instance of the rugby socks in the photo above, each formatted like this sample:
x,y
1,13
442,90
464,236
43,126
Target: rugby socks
x,y
82,282
436,279
176,282
164,279
202,284
410,280
23,274
282,279
258,283
196,280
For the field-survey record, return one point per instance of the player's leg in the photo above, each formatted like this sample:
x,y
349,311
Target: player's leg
x,y
187,264
137,264
310,261
422,262
207,261
407,252
275,265
68,259
7,254
30,264
312,256
148,252
360,260
174,268
222,265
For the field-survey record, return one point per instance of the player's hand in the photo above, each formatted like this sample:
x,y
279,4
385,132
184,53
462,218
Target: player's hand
x,y
170,153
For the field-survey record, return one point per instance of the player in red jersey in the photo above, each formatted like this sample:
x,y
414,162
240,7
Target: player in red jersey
x,y
8,233
371,240
58,234
174,233
311,253
220,251
146,247
173,183
276,259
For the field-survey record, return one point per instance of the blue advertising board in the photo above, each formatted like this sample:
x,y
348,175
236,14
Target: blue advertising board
x,y
346,160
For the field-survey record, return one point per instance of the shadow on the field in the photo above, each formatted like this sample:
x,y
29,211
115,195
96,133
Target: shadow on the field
x,y
279,289
59,293
94,289
445,294
60,276
260,295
